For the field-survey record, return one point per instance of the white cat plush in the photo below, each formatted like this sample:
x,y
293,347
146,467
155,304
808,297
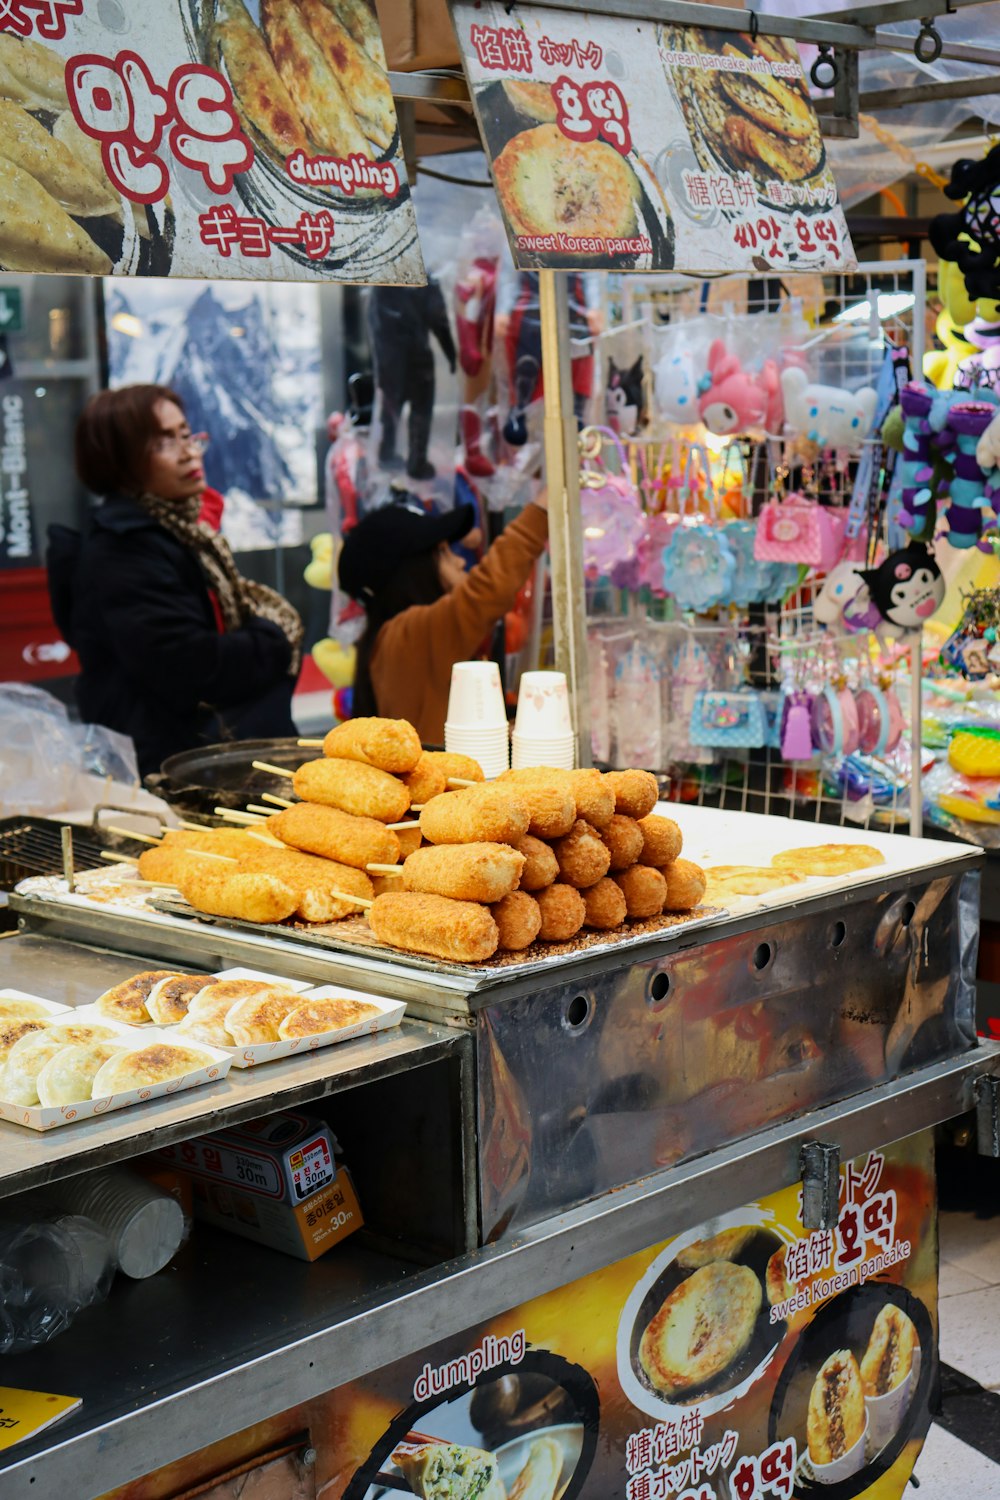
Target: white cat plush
x,y
675,384
825,414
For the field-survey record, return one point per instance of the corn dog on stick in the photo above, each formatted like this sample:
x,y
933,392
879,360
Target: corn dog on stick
x,y
276,801
389,744
230,815
482,872
263,765
335,835
127,833
119,859
354,787
327,891
459,931
249,897
492,814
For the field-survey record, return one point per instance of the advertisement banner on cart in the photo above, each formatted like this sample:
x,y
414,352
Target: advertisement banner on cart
x,y
747,1359
630,145
254,139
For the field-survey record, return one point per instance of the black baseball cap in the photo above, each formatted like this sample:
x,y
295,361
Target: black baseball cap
x,y
375,547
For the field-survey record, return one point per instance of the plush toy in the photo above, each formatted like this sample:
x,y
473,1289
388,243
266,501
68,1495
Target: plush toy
x,y
625,398
319,571
906,589
825,414
675,383
968,238
968,421
924,469
941,366
336,663
732,399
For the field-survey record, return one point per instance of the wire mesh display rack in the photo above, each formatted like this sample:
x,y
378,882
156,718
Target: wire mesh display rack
x,y
881,303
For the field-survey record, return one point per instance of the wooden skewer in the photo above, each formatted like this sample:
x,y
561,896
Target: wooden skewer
x,y
461,781
157,885
262,765
353,900
118,859
311,743
278,801
195,828
126,833
384,869
255,807
249,820
265,838
227,859
395,827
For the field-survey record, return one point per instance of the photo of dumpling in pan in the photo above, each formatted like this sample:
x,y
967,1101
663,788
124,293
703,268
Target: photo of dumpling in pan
x,y
549,184
60,212
750,122
527,1434
702,1325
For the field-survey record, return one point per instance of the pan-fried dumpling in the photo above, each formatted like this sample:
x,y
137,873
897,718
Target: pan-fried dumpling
x,y
168,1001
136,1069
539,1479
363,81
67,1078
312,1017
723,1246
19,1081
321,102
37,234
31,74
451,1471
836,1416
361,21
126,1002
18,1008
257,1018
29,146
13,1028
261,96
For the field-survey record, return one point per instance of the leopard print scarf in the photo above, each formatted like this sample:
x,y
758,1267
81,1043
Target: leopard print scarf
x,y
239,598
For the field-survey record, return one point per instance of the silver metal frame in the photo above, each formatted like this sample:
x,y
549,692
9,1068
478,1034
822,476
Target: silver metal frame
x,y
436,1304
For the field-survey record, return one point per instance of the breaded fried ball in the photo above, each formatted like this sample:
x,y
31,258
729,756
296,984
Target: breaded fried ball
x,y
519,920
563,913
636,792
685,883
606,906
661,841
644,889
541,867
623,837
583,858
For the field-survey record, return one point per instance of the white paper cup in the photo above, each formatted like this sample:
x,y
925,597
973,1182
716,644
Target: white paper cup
x,y
543,705
144,1224
489,745
534,750
886,1413
476,696
845,1466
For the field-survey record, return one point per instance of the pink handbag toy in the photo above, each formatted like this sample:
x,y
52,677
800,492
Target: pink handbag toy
x,y
798,530
732,399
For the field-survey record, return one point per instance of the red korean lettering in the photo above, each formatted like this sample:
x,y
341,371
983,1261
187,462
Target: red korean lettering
x,y
879,1218
769,233
207,136
777,1468
116,102
849,1243
826,230
745,236
189,1152
605,103
803,233
49,18
212,1158
573,117
743,1481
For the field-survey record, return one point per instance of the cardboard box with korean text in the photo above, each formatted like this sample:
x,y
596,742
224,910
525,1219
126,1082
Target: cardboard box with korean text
x,y
276,1181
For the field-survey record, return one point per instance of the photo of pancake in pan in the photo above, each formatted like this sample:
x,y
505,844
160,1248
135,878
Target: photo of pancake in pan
x,y
749,121
702,1326
551,185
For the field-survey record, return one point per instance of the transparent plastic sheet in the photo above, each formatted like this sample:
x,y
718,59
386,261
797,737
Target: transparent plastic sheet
x,y
866,165
44,758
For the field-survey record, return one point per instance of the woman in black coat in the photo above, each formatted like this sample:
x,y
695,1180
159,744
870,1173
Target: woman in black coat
x,y
176,647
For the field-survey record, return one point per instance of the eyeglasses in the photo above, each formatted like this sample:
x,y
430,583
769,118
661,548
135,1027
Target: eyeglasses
x,y
175,443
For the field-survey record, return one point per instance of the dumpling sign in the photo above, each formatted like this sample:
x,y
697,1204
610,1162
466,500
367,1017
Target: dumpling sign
x,y
254,139
627,145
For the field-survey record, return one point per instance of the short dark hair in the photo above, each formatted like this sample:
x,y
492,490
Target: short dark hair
x,y
113,437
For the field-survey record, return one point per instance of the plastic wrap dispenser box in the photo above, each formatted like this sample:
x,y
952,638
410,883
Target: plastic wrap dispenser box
x,y
274,1180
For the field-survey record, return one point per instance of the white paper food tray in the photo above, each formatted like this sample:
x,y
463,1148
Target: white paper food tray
x,y
390,1014
39,1117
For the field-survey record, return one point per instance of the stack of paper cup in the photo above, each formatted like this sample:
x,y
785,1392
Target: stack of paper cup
x,y
477,716
144,1224
543,731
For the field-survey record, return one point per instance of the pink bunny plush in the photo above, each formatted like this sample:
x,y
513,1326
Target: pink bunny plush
x,y
732,399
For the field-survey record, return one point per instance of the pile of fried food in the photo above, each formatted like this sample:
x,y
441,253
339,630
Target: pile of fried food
x,y
538,854
314,81
54,1058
